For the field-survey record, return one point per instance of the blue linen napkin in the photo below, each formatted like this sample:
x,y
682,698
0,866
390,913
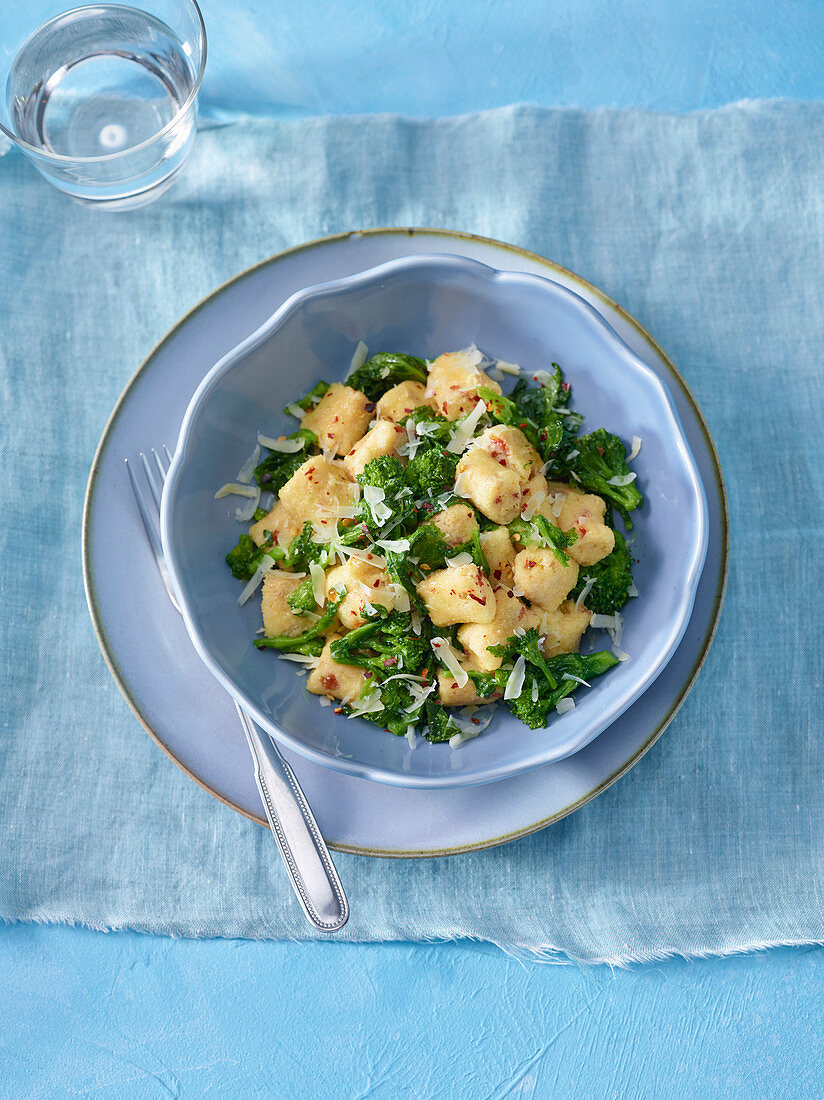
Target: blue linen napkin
x,y
709,228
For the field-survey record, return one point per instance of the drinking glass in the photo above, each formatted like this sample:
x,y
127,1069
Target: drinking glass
x,y
103,98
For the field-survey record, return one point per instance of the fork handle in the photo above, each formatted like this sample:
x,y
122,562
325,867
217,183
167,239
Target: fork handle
x,y
314,878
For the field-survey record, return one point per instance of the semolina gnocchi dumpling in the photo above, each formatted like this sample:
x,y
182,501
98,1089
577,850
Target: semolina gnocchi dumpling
x,y
458,595
278,617
340,418
563,628
493,489
364,584
383,439
583,513
331,678
457,524
510,614
542,578
397,403
452,386
279,523
497,470
500,554
316,491
453,694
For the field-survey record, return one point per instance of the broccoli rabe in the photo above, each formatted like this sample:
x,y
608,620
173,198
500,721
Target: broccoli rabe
x,y
431,472
539,412
439,726
396,505
385,370
384,644
274,471
613,577
546,680
244,558
601,460
310,643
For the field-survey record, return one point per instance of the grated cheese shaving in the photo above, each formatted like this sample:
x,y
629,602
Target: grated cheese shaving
x,y
466,429
447,656
565,704
622,479
395,546
374,497
585,591
577,679
401,597
296,411
283,446
233,488
532,506
515,683
544,377
318,583
358,358
247,511
507,368
458,560
636,447
244,474
256,579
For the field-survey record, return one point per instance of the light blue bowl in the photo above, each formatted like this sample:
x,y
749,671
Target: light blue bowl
x,y
426,305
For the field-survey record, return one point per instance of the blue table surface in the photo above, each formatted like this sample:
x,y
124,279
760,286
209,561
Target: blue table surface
x,y
124,1015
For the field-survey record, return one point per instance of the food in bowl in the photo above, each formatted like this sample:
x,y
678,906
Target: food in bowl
x,y
426,546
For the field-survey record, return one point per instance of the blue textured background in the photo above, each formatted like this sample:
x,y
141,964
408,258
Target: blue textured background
x,y
124,1015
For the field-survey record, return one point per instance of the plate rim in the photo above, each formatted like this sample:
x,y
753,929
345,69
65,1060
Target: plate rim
x,y
451,235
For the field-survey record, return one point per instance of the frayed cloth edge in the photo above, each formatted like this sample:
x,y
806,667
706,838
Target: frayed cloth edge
x,y
521,952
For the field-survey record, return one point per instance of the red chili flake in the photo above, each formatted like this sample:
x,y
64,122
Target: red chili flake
x,y
329,682
496,574
476,721
600,450
565,386
377,583
388,662
335,419
497,500
368,675
369,406
502,462
338,710
477,599
531,564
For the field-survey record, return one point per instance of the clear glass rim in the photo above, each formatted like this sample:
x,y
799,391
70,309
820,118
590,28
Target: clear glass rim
x,y
60,158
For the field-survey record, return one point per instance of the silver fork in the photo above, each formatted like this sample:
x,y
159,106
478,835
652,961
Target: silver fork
x,y
311,871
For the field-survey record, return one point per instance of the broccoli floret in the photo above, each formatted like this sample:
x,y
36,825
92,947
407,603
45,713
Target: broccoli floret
x,y
303,598
311,399
276,469
311,641
397,504
244,558
431,472
601,459
546,680
613,576
385,370
384,644
535,712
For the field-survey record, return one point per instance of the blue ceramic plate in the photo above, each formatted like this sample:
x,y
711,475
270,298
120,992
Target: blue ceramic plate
x,y
427,304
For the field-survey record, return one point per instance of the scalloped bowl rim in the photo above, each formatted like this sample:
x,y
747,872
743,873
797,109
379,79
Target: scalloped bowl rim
x,y
556,750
